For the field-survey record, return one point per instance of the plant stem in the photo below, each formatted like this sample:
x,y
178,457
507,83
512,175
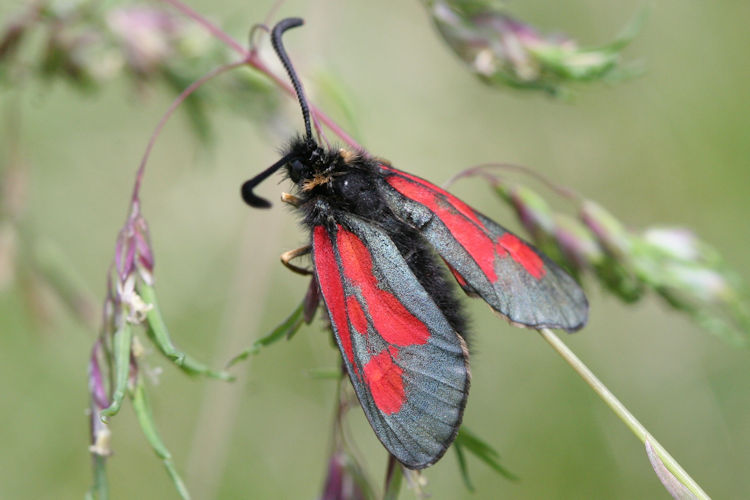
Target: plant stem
x,y
633,424
100,489
252,59
393,477
172,108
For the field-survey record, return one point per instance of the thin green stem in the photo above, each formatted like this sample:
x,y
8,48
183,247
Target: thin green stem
x,y
100,489
122,348
145,418
633,424
393,477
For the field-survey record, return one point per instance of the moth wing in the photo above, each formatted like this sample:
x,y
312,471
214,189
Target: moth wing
x,y
409,368
512,276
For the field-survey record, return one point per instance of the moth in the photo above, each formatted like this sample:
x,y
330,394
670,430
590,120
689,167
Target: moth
x,y
377,239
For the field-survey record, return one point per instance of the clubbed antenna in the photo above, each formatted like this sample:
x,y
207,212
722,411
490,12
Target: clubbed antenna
x,y
278,30
251,198
247,188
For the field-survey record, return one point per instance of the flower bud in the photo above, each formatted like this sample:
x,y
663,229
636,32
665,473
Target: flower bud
x,y
146,35
505,51
533,211
577,243
343,480
610,232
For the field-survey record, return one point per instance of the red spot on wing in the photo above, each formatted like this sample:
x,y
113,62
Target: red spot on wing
x,y
459,278
459,205
384,378
470,233
389,317
356,314
522,254
330,283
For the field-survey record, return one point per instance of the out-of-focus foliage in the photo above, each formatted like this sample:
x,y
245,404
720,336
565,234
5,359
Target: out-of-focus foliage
x,y
116,365
467,441
688,273
506,52
90,44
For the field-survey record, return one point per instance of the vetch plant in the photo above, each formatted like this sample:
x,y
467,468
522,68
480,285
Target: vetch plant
x,y
115,367
506,52
672,262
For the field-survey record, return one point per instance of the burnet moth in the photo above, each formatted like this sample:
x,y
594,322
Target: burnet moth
x,y
376,234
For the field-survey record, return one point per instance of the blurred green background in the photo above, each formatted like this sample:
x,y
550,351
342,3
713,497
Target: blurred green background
x,y
671,147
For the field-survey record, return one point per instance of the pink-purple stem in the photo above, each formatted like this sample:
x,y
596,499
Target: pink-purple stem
x,y
96,382
482,171
249,57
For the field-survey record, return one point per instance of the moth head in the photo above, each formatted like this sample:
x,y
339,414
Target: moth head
x,y
305,155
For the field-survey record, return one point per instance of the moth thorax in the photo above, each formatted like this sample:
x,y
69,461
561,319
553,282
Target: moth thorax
x,y
317,180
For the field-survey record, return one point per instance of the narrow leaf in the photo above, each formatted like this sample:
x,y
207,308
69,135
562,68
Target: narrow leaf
x,y
148,426
461,459
286,329
121,346
467,440
159,334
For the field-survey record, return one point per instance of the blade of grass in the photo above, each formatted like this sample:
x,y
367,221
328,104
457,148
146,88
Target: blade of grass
x,y
148,426
159,334
286,329
122,343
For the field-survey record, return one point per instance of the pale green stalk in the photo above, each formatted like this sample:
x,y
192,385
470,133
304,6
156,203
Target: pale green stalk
x,y
633,424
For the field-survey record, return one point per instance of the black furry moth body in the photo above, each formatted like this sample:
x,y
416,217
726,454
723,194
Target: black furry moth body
x,y
378,236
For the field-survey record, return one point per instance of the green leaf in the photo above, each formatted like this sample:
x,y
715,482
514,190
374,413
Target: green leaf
x,y
121,346
159,334
148,426
286,329
468,441
461,458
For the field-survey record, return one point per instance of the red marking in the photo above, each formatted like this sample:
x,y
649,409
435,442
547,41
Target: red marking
x,y
329,280
472,237
459,205
522,254
459,278
356,315
389,317
386,384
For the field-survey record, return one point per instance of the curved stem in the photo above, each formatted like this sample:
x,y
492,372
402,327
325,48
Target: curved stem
x,y
481,170
616,406
175,104
210,27
252,59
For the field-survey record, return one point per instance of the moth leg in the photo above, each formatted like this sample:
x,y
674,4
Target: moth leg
x,y
286,257
291,199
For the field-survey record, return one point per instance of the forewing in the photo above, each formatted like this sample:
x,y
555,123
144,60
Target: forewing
x,y
409,368
512,276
